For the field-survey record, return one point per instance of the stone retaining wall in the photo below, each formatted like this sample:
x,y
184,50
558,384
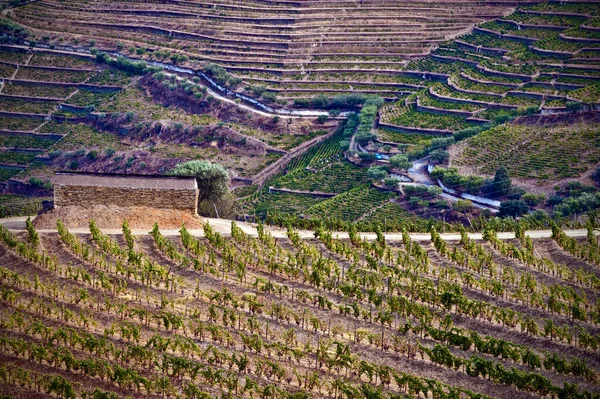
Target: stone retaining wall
x,y
575,39
183,200
532,26
415,130
552,53
488,82
564,14
441,77
13,133
74,108
481,49
485,104
516,38
490,72
23,115
445,58
441,111
475,92
31,98
53,68
590,28
86,86
535,96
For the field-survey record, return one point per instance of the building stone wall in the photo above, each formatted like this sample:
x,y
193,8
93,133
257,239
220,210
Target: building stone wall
x,y
179,199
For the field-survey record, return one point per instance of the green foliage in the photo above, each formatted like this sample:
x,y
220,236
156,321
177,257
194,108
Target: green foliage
x,y
12,28
549,152
451,178
212,178
124,64
439,156
220,75
462,206
400,161
513,208
502,182
377,173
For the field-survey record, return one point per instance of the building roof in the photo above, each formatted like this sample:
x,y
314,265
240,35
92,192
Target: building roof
x,y
124,181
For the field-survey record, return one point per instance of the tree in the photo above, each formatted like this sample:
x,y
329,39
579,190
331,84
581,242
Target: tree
x,y
212,178
364,137
377,173
532,199
502,183
344,145
514,208
400,162
390,182
439,156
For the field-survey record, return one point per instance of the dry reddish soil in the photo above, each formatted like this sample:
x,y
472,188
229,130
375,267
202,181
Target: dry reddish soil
x,y
113,216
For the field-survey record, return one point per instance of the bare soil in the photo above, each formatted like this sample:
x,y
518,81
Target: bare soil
x,y
112,217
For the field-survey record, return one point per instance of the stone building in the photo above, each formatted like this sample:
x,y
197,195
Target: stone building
x,y
155,191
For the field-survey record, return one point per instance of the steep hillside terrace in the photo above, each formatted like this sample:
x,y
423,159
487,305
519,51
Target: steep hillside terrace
x,y
274,38
42,86
531,61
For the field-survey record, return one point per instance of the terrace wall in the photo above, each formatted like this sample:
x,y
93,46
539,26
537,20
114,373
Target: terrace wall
x,y
441,111
183,200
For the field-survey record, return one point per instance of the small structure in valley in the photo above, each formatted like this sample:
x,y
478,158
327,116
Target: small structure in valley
x,y
124,190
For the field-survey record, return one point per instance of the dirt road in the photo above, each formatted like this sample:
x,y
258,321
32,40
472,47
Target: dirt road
x,y
223,226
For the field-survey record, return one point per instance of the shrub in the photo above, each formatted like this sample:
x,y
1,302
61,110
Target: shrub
x,y
401,162
92,155
377,173
532,199
366,156
439,156
270,96
462,206
513,208
319,101
37,182
390,182
301,102
257,90
322,119
364,137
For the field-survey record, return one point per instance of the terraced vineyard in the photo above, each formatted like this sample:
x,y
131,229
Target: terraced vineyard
x,y
532,152
92,315
296,49
51,119
533,60
40,90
